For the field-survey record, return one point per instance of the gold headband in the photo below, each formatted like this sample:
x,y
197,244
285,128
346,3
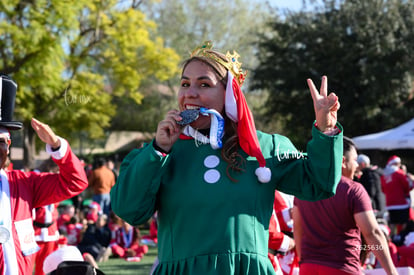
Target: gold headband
x,y
232,64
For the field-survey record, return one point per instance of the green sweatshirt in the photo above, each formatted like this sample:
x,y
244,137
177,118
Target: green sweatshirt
x,y
209,224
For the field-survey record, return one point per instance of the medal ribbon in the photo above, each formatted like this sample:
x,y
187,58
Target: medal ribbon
x,y
127,236
216,127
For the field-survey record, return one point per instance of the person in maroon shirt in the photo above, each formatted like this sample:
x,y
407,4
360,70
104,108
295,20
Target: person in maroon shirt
x,y
328,232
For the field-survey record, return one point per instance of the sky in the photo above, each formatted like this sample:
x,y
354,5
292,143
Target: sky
x,y
293,5
290,4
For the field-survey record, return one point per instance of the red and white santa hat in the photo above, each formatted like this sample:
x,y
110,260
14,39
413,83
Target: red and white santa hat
x,y
238,111
393,160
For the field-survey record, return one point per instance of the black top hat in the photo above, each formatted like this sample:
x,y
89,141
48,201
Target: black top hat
x,y
75,267
8,90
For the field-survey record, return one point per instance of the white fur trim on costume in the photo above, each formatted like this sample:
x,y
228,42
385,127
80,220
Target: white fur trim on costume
x,y
230,103
284,247
263,174
9,249
409,239
59,154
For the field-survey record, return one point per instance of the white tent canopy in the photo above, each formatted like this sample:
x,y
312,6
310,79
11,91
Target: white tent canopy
x,y
401,137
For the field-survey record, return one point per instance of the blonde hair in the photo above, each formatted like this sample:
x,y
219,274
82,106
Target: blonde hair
x,y
231,146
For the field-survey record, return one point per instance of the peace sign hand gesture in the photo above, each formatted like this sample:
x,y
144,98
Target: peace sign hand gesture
x,y
326,106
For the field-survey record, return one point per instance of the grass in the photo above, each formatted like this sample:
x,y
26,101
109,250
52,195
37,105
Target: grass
x,y
117,266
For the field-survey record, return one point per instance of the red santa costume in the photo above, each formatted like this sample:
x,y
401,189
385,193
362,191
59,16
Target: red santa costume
x,y
126,238
285,261
396,188
46,234
23,191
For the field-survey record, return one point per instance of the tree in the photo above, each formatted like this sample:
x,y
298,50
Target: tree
x,y
364,47
70,58
185,24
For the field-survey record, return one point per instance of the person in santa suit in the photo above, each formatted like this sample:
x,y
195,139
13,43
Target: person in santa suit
x,y
46,234
396,187
281,243
126,243
21,192
45,224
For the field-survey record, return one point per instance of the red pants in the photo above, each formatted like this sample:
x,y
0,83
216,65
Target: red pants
x,y
406,255
316,269
38,258
121,252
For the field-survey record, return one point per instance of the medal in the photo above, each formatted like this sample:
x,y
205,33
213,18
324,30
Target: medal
x,y
4,234
188,116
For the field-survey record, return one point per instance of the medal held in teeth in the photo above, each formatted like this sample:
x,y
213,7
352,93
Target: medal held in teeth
x,y
188,116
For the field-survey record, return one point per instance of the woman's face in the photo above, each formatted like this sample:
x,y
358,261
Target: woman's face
x,y
201,87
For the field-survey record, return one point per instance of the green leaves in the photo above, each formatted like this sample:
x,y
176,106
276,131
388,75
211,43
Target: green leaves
x,y
70,58
364,47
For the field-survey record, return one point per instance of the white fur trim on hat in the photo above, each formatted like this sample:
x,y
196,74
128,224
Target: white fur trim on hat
x,y
66,253
393,160
230,104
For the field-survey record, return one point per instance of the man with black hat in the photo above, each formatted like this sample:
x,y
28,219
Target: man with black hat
x,y
20,191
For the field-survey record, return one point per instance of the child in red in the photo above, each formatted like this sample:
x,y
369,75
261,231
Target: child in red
x,y
125,243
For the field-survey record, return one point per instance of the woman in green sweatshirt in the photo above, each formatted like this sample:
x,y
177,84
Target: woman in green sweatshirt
x,y
212,179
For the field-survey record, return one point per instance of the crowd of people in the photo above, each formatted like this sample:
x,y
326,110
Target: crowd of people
x,y
219,196
86,227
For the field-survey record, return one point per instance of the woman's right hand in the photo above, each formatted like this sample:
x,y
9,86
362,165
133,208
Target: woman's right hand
x,y
168,130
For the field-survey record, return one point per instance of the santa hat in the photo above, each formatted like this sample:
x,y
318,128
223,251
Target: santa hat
x,y
393,160
96,206
238,111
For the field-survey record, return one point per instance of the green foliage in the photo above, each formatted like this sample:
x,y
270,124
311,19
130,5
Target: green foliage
x,y
364,47
70,58
185,24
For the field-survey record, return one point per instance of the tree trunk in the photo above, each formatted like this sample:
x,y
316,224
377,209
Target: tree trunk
x,y
29,147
